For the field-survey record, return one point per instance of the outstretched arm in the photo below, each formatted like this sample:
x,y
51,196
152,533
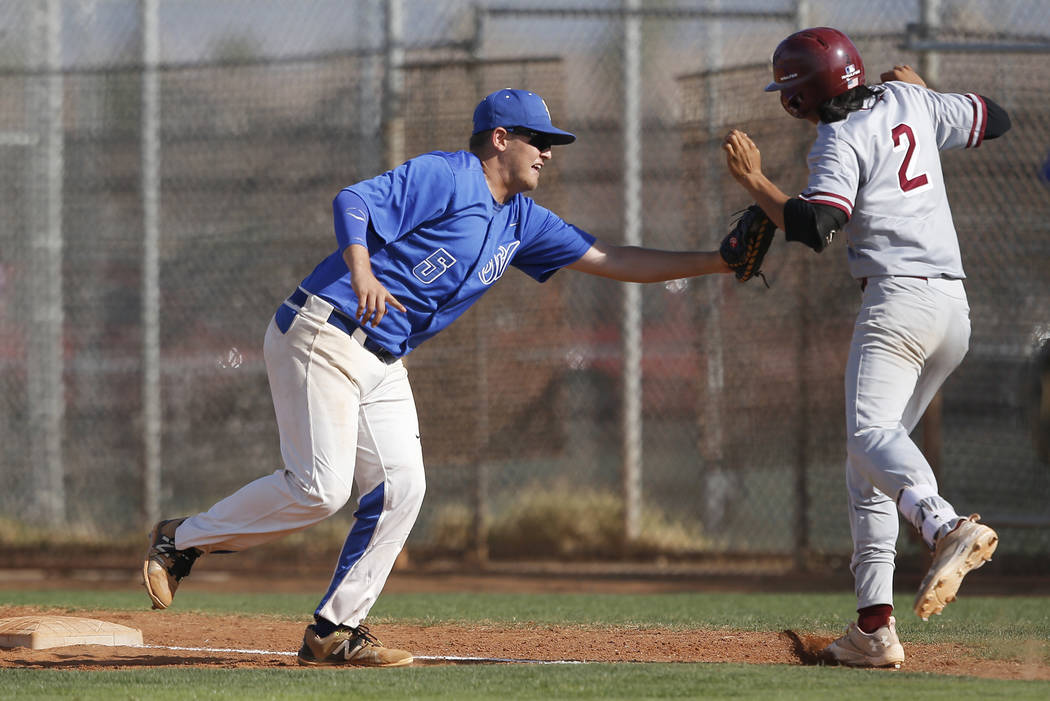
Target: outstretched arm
x,y
636,264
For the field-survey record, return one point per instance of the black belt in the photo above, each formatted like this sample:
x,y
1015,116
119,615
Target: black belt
x,y
287,311
864,280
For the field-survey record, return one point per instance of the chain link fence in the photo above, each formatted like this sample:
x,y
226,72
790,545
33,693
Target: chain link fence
x,y
168,168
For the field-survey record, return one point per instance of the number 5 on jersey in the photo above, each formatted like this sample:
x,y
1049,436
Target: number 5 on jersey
x,y
433,266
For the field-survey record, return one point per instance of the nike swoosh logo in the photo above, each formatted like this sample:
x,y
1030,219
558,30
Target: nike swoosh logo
x,y
510,225
359,217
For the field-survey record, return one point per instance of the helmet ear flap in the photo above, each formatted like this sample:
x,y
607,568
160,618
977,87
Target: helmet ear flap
x,y
792,104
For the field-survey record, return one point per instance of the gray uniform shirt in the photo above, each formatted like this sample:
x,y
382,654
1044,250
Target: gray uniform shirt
x,y
881,166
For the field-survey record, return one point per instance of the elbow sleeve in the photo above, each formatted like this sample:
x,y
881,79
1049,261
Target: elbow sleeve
x,y
351,219
998,120
813,225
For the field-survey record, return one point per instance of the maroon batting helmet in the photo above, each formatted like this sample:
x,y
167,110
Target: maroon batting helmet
x,y
812,66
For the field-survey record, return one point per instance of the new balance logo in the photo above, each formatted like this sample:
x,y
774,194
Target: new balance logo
x,y
344,649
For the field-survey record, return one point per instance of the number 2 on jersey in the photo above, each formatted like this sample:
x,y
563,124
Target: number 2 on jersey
x,y
907,185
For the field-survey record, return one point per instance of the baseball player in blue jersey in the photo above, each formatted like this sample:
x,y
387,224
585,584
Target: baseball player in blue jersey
x,y
875,174
416,247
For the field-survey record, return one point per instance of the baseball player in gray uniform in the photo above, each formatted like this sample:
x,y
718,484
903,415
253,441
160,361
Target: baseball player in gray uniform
x,y
415,248
875,174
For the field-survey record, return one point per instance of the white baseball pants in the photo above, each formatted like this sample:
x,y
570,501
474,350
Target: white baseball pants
x,y
344,417
910,334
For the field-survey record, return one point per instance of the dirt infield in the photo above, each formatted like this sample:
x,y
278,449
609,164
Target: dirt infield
x,y
212,639
220,641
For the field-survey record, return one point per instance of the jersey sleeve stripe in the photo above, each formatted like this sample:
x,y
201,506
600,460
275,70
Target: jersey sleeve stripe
x,y
980,121
829,198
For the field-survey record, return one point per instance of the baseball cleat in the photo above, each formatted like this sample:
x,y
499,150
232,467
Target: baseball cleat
x,y
164,566
349,646
856,648
968,546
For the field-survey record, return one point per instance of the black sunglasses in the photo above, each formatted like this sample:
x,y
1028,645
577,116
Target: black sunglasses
x,y
541,141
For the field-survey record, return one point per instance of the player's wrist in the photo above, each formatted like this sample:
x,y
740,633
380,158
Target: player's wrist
x,y
756,179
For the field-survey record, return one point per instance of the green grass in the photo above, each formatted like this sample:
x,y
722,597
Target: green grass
x,y
970,618
593,681
1004,627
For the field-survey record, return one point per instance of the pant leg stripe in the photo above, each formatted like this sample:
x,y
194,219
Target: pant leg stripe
x,y
366,518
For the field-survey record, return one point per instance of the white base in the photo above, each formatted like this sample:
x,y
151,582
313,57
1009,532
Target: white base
x,y
41,632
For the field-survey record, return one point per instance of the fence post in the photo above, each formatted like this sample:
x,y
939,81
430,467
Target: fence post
x,y
151,384
45,361
929,59
802,455
717,489
393,86
632,292
480,506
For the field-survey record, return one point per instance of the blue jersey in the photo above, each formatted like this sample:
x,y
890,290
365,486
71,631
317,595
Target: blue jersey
x,y
438,240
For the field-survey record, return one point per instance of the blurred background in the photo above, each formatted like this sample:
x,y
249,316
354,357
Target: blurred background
x,y
167,170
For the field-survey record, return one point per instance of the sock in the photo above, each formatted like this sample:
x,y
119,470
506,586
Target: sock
x,y
931,515
324,627
871,618
948,528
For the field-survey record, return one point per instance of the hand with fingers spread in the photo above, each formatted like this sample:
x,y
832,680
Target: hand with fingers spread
x,y
372,297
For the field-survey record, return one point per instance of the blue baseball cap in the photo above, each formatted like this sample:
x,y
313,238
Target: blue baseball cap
x,y
518,108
